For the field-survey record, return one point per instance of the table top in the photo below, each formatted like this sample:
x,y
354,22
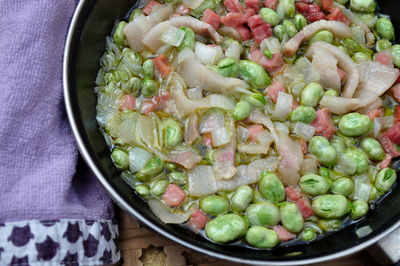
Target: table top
x,y
141,246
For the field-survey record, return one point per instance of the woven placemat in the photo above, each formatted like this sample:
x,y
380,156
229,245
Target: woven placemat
x,y
143,247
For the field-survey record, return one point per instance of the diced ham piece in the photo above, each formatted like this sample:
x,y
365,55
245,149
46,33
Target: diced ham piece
x,y
341,73
270,4
378,112
253,4
255,21
274,89
327,5
337,15
272,65
254,130
386,162
305,208
233,6
187,159
149,7
162,66
224,166
249,13
396,92
311,12
127,102
261,32
206,140
147,107
393,133
323,123
384,58
283,234
295,104
244,32
211,18
198,220
388,146
232,19
173,195
396,113
292,193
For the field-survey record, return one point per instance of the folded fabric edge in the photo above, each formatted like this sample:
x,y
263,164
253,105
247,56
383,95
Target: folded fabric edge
x,y
59,242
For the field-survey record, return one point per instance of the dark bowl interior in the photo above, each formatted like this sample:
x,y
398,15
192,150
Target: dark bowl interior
x,y
96,21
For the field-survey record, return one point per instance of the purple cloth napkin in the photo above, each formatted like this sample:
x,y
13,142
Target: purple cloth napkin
x,y
38,156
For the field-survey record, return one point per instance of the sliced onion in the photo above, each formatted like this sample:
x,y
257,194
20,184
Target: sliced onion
x,y
242,134
309,166
345,166
138,157
211,123
264,137
172,36
281,128
233,50
192,3
304,131
272,44
221,101
362,187
306,69
220,136
382,123
206,54
313,226
142,23
253,148
358,35
201,181
195,93
184,54
283,105
168,215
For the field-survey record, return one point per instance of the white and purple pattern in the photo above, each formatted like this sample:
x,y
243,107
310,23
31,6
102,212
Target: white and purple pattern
x,y
59,242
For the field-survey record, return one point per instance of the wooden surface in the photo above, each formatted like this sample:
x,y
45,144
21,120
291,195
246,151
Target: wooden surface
x,y
141,246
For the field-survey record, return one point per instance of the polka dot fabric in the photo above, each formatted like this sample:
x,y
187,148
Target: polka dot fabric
x,y
59,242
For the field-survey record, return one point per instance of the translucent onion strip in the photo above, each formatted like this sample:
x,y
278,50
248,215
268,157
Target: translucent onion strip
x,y
220,136
138,157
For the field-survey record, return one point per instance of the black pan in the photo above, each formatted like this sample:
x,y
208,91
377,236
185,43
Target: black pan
x,y
92,22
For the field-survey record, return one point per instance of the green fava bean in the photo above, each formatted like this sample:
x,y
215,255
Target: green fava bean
x,y
351,45
257,100
323,151
135,13
308,234
354,124
189,40
303,114
142,190
228,67
153,167
342,2
173,135
242,198
299,21
261,237
178,178
198,11
171,166
359,158
120,158
330,206
257,197
359,56
373,149
363,5
290,28
314,185
214,205
344,49
291,217
241,111
330,225
385,179
132,56
226,228
343,186
133,86
286,8
149,87
325,172
269,16
311,94
118,35
263,213
383,44
271,187
158,188
338,144
396,55
323,35
331,93
279,32
385,29
254,74
359,209
148,68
